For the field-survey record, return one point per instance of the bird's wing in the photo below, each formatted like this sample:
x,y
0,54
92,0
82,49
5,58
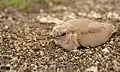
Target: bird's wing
x,y
95,34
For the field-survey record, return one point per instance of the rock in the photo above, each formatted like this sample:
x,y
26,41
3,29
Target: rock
x,y
117,39
41,53
82,14
71,16
113,15
116,65
48,19
111,42
93,69
94,15
6,27
43,44
59,8
105,50
42,19
118,43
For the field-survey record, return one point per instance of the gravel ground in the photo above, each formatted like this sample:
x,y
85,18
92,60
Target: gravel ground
x,y
27,46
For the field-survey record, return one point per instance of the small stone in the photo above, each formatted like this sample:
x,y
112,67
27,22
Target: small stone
x,y
72,59
31,51
93,69
41,19
41,53
59,8
18,49
119,43
10,18
75,50
61,58
27,30
59,70
105,50
117,39
71,16
8,65
12,71
0,36
112,39
90,52
50,4
41,10
94,14
24,48
113,15
37,53
0,16
43,45
6,27
116,67
111,42
81,14
15,58
76,57
15,65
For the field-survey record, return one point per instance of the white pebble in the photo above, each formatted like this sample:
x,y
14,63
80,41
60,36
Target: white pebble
x,y
93,69
111,42
41,53
105,50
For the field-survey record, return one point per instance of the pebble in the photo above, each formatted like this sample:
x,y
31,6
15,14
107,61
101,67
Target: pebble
x,y
119,43
111,42
6,27
43,45
43,19
61,58
15,58
117,39
93,69
41,10
94,15
82,14
49,19
41,53
90,52
59,70
0,16
71,16
113,15
116,67
77,57
105,50
10,18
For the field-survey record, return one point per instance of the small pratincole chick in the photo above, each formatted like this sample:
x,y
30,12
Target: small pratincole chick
x,y
77,32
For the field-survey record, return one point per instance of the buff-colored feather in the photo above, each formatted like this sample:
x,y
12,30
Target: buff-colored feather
x,y
74,33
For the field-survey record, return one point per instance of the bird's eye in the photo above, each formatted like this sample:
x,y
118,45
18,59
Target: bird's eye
x,y
63,34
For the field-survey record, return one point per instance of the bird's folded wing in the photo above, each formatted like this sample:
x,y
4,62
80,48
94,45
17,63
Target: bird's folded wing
x,y
95,34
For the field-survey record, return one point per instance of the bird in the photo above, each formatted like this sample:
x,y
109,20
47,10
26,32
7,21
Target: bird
x,y
82,32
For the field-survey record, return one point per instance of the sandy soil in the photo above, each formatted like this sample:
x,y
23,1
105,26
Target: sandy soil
x,y
26,44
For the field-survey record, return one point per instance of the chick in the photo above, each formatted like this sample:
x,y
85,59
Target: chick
x,y
82,32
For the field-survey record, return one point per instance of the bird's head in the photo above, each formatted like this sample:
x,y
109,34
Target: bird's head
x,y
64,36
